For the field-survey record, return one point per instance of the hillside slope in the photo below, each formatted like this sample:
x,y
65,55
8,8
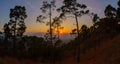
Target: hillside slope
x,y
101,47
106,53
105,45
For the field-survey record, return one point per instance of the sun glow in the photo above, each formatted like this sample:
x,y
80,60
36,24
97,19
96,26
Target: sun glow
x,y
61,32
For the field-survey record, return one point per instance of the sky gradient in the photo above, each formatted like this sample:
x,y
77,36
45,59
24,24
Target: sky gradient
x,y
33,10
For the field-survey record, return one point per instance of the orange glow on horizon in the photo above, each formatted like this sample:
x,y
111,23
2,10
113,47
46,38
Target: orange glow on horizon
x,y
43,28
64,31
44,31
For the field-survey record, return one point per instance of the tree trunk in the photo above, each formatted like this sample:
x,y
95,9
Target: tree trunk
x,y
50,25
51,33
78,50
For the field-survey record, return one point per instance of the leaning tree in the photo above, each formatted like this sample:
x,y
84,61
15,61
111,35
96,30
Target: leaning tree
x,y
77,10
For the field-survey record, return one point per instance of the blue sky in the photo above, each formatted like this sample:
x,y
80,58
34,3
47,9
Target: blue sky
x,y
33,10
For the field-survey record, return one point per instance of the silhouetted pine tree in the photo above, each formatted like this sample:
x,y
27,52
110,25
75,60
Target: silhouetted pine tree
x,y
77,10
47,7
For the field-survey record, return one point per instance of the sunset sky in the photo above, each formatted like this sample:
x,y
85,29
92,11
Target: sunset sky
x,y
33,10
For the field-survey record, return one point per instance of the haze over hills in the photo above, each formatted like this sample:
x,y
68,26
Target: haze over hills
x,y
66,37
